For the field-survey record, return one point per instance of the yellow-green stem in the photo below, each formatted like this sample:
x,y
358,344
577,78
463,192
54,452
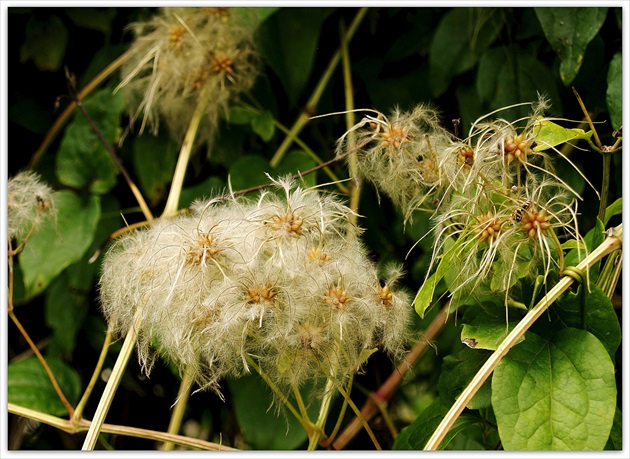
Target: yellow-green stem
x,y
611,244
321,418
312,102
78,412
172,202
603,201
180,407
113,382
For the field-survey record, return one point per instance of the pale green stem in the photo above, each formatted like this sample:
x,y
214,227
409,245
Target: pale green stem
x,y
603,202
172,202
113,382
611,244
312,102
69,427
321,418
180,407
78,412
609,276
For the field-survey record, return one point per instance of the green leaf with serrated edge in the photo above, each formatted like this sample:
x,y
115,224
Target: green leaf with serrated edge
x,y
294,162
615,441
45,42
485,326
262,124
549,134
462,35
288,41
425,294
458,370
569,31
598,317
555,394
29,386
154,159
249,171
616,208
260,423
416,435
82,161
59,242
614,92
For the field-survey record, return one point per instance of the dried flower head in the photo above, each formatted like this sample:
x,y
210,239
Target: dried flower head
x,y
29,201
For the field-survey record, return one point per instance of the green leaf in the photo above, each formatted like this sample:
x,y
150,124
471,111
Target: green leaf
x,y
288,41
82,161
240,115
59,243
99,19
28,385
599,317
45,42
460,39
485,326
487,72
458,370
262,124
66,307
154,159
556,394
614,99
550,134
416,435
262,426
569,31
592,240
249,171
616,208
210,187
294,162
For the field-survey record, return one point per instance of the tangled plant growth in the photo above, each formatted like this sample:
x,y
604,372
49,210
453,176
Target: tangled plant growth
x,y
265,255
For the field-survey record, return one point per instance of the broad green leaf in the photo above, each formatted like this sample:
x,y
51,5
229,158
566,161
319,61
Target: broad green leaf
x,y
297,161
614,99
458,370
461,37
288,41
240,115
616,208
66,308
486,326
59,243
28,385
154,159
45,43
569,31
209,188
262,426
416,435
615,441
253,17
487,72
82,161
598,317
550,134
262,124
249,171
556,394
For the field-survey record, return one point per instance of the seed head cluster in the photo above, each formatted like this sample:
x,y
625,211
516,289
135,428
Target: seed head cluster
x,y
493,195
282,281
29,201
182,56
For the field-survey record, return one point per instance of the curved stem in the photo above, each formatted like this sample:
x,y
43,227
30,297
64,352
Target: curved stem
x,y
312,102
59,122
610,244
113,382
172,202
78,413
321,418
180,407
